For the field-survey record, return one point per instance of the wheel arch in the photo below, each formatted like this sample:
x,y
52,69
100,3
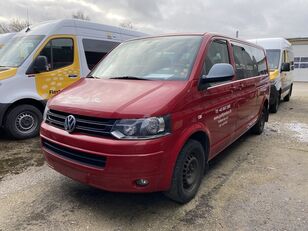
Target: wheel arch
x,y
36,103
197,132
203,139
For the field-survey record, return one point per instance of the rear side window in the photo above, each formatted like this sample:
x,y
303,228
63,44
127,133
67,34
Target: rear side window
x,y
59,53
217,53
249,61
95,50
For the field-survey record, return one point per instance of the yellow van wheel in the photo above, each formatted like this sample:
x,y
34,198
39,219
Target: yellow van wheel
x,y
23,121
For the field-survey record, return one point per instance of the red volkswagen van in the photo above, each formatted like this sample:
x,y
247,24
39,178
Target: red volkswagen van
x,y
152,114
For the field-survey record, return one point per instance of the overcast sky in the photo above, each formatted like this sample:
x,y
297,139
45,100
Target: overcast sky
x,y
253,18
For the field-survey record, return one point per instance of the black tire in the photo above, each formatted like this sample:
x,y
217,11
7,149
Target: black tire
x,y
188,173
23,121
274,107
288,96
258,128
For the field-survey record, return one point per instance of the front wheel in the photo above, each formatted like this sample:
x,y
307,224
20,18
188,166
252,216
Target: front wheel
x,y
188,173
23,122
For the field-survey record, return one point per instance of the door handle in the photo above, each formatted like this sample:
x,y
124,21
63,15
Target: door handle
x,y
72,75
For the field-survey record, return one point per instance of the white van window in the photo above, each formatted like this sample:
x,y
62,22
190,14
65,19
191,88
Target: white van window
x,y
14,53
59,53
95,50
273,57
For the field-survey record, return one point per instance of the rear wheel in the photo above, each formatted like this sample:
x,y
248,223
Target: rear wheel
x,y
288,96
258,128
23,122
188,173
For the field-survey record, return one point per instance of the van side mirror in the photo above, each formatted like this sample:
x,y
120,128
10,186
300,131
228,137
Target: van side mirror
x,y
218,73
40,64
285,67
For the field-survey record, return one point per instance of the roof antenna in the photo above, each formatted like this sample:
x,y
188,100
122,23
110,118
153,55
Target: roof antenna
x,y
28,21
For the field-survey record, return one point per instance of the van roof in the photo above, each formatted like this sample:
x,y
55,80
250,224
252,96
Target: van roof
x,y
209,34
271,43
78,27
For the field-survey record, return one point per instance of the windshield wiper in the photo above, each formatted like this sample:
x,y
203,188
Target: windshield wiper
x,y
129,77
92,77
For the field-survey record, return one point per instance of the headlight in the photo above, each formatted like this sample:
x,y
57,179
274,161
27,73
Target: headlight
x,y
45,113
147,128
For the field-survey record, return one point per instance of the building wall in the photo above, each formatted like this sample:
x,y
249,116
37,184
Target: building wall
x,y
300,48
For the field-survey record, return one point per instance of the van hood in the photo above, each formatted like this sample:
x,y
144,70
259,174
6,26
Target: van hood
x,y
7,72
119,98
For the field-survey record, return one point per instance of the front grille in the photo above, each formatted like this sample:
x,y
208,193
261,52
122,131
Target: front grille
x,y
84,124
75,155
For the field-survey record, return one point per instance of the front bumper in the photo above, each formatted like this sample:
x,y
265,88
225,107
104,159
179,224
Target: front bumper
x,y
126,161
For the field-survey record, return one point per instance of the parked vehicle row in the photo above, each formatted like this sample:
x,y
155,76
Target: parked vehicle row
x,y
41,60
151,115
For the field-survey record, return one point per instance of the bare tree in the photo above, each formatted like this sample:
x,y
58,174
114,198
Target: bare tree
x,y
18,25
14,25
127,24
4,28
80,15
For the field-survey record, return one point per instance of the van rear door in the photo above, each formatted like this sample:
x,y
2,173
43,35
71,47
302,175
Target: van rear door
x,y
250,64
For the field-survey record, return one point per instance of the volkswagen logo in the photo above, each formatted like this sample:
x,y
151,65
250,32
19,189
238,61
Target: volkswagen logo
x,y
70,123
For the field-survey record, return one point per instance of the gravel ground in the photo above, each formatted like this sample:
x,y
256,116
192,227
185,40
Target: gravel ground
x,y
258,183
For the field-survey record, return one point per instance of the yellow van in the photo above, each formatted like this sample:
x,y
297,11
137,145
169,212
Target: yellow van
x,y
43,59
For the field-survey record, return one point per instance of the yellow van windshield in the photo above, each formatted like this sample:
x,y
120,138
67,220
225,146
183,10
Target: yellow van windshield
x,y
14,53
273,58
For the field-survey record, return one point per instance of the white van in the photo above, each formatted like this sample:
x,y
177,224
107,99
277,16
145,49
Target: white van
x,y
42,60
4,38
281,64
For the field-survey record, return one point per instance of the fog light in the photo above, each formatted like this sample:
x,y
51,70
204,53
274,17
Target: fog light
x,y
142,182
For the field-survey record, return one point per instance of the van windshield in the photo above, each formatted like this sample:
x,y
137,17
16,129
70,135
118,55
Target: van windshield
x,y
160,58
15,52
273,57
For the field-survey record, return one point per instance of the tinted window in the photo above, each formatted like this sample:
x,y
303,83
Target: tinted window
x,y
62,52
95,50
249,61
217,53
296,59
59,53
260,58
